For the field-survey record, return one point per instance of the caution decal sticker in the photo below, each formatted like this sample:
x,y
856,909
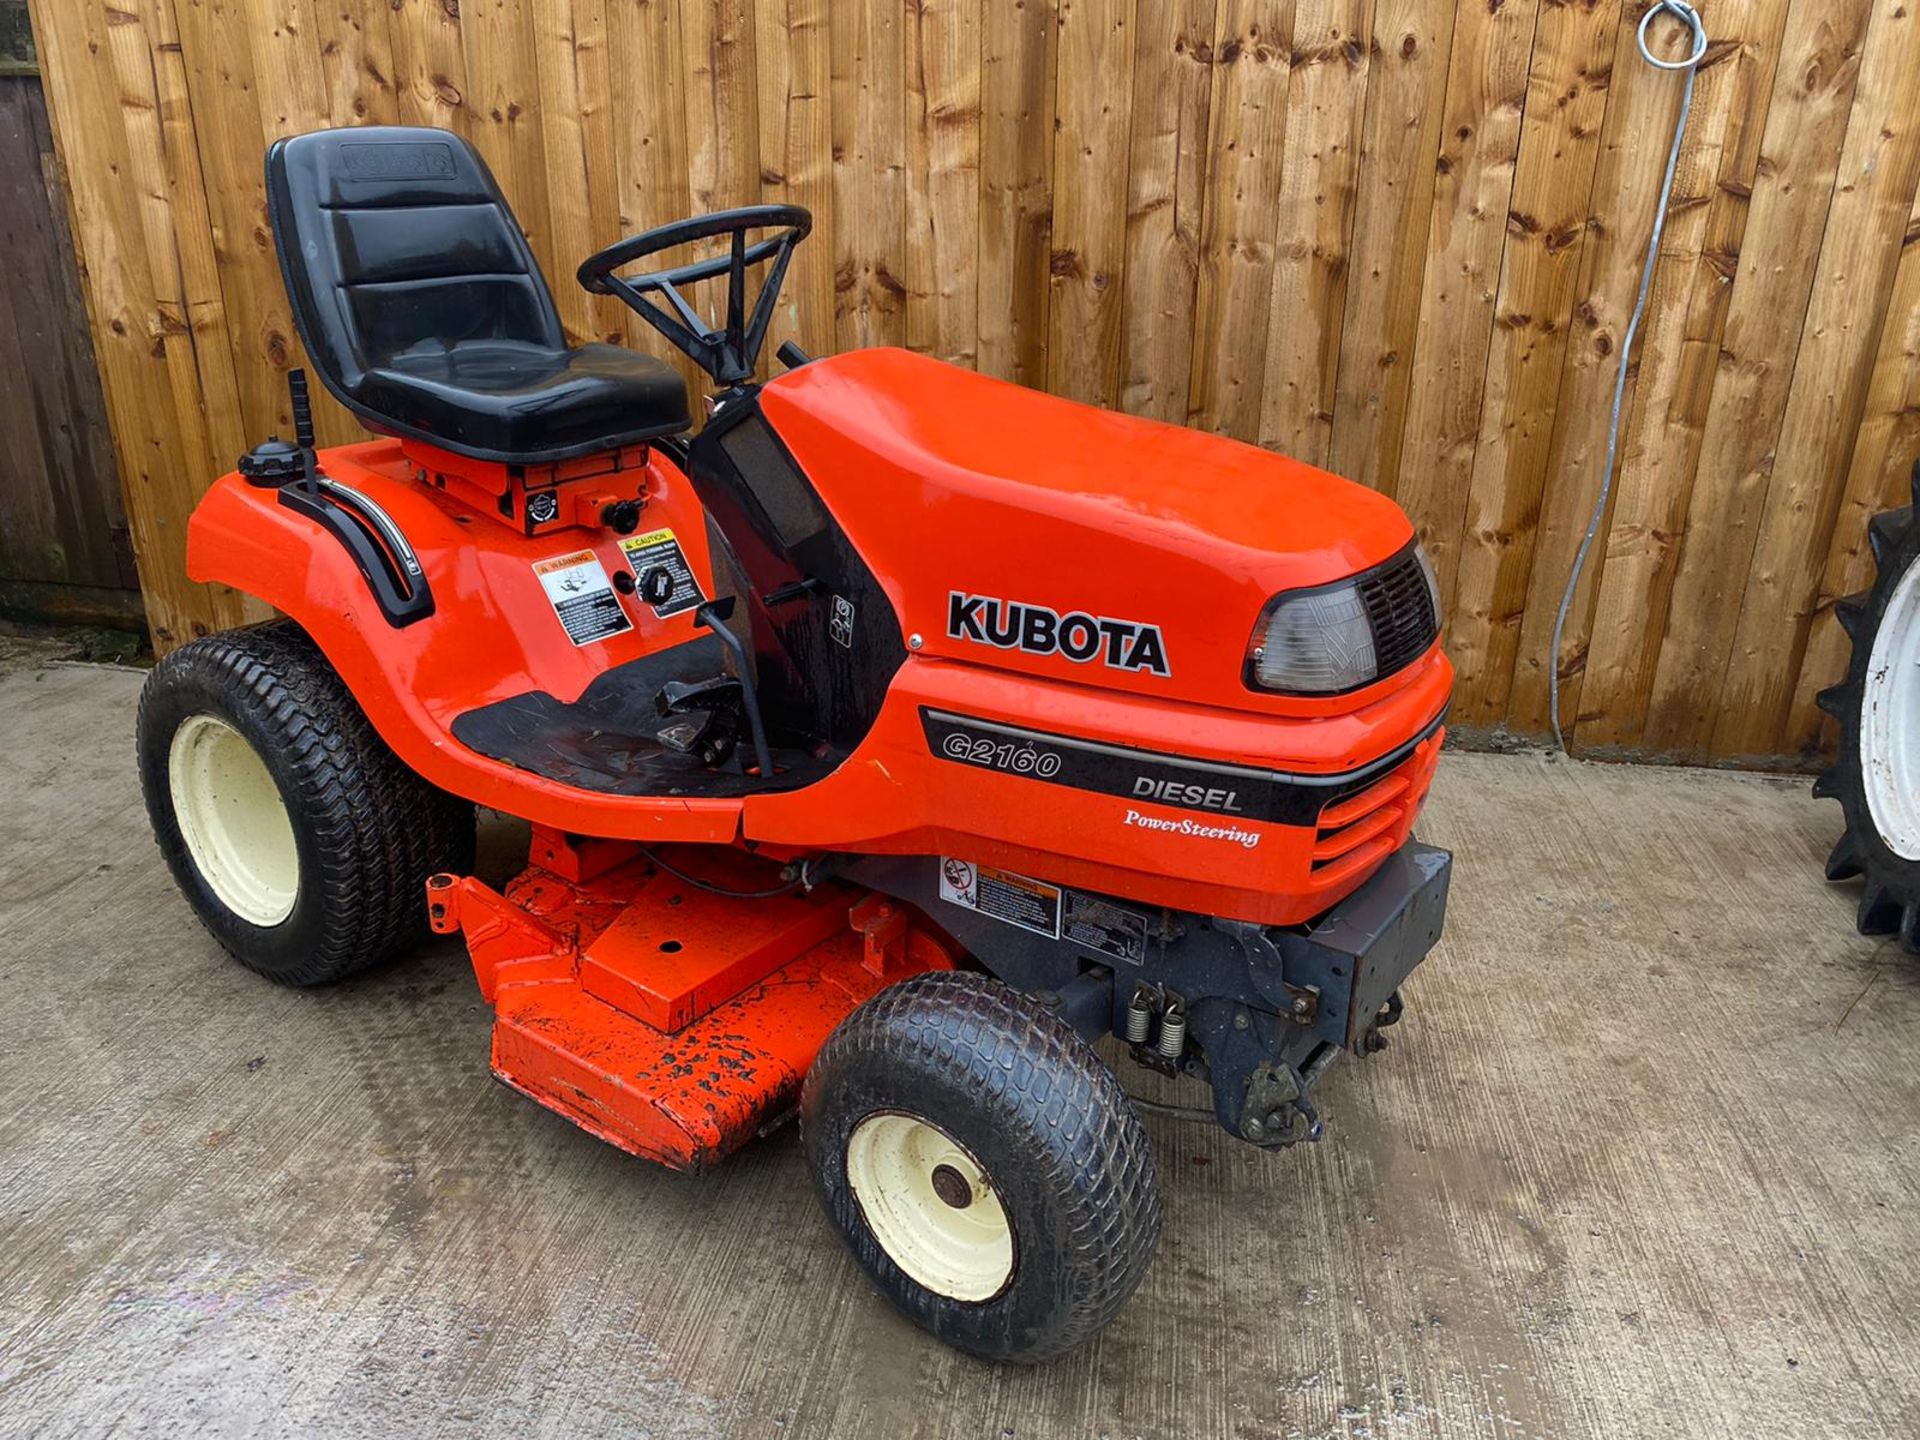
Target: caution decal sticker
x,y
582,597
660,548
1001,895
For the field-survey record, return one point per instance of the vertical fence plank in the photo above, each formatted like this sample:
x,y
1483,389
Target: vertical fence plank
x,y
1325,110
163,151
1090,199
1547,227
61,521
1246,125
1018,42
1793,188
639,67
1479,138
356,55
1879,169
577,147
430,63
1678,356
219,59
796,157
290,87
869,190
1166,185
943,178
505,114
291,80
723,119
1017,51
1406,89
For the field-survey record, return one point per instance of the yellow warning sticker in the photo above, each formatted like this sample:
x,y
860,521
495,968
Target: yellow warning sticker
x,y
660,550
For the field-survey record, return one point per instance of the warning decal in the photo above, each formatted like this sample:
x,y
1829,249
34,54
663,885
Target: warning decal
x,y
1001,895
581,595
1106,928
841,625
660,548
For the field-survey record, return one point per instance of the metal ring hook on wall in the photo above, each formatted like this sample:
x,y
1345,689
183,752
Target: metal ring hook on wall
x,y
1687,16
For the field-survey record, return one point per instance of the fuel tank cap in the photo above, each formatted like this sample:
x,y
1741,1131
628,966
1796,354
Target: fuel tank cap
x,y
271,463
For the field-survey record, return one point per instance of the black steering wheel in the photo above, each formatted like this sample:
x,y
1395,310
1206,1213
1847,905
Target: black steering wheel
x,y
729,353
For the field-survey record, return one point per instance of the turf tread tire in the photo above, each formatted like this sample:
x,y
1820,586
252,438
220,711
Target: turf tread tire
x,y
1890,888
1050,1121
368,830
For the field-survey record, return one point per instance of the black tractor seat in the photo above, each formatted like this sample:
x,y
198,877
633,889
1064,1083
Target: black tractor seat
x,y
426,315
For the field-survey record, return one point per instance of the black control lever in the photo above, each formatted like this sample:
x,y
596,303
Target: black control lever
x,y
714,614
303,429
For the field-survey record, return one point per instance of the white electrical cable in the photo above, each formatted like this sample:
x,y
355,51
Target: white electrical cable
x,y
1689,17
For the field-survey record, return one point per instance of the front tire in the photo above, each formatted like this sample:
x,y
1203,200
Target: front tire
x,y
983,1166
301,841
1876,777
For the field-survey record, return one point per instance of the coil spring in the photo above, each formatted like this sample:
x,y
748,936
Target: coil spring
x,y
1139,1018
1173,1032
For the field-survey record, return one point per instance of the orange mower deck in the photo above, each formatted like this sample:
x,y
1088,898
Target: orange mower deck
x,y
666,1019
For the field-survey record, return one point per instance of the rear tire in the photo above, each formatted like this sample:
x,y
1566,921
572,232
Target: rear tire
x,y
1876,777
300,840
983,1165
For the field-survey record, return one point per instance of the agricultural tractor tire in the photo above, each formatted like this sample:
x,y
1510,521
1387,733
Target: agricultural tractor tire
x,y
299,839
983,1165
1876,778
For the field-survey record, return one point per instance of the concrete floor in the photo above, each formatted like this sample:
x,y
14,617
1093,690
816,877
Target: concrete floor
x,y
1642,1161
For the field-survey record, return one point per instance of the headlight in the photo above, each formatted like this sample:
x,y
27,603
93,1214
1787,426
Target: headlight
x,y
1339,637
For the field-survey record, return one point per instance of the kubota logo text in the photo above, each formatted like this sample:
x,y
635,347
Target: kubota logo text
x,y
1011,625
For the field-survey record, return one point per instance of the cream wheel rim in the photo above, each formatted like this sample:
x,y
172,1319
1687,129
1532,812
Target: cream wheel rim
x,y
233,820
931,1206
1890,721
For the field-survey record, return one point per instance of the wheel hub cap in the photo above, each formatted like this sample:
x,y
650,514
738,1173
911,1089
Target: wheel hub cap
x,y
951,1186
235,824
931,1206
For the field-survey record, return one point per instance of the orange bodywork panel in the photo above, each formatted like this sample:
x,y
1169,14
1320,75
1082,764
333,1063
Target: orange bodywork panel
x,y
494,632
639,1007
949,484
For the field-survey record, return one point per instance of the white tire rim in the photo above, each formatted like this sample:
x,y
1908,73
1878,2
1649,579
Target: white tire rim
x,y
931,1206
1890,721
235,824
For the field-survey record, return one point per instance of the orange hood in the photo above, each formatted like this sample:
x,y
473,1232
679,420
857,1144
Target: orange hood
x,y
1136,554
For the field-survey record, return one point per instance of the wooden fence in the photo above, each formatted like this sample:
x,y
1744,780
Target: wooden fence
x,y
1399,238
64,549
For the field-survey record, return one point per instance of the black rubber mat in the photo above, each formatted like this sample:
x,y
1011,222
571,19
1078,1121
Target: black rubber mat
x,y
608,740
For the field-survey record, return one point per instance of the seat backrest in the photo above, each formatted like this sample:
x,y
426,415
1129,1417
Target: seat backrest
x,y
394,238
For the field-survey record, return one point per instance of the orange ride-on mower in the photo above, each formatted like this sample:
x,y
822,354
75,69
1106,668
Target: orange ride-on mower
x,y
885,746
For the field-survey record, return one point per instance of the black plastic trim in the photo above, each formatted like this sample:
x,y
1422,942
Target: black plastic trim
x,y
389,565
1180,782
